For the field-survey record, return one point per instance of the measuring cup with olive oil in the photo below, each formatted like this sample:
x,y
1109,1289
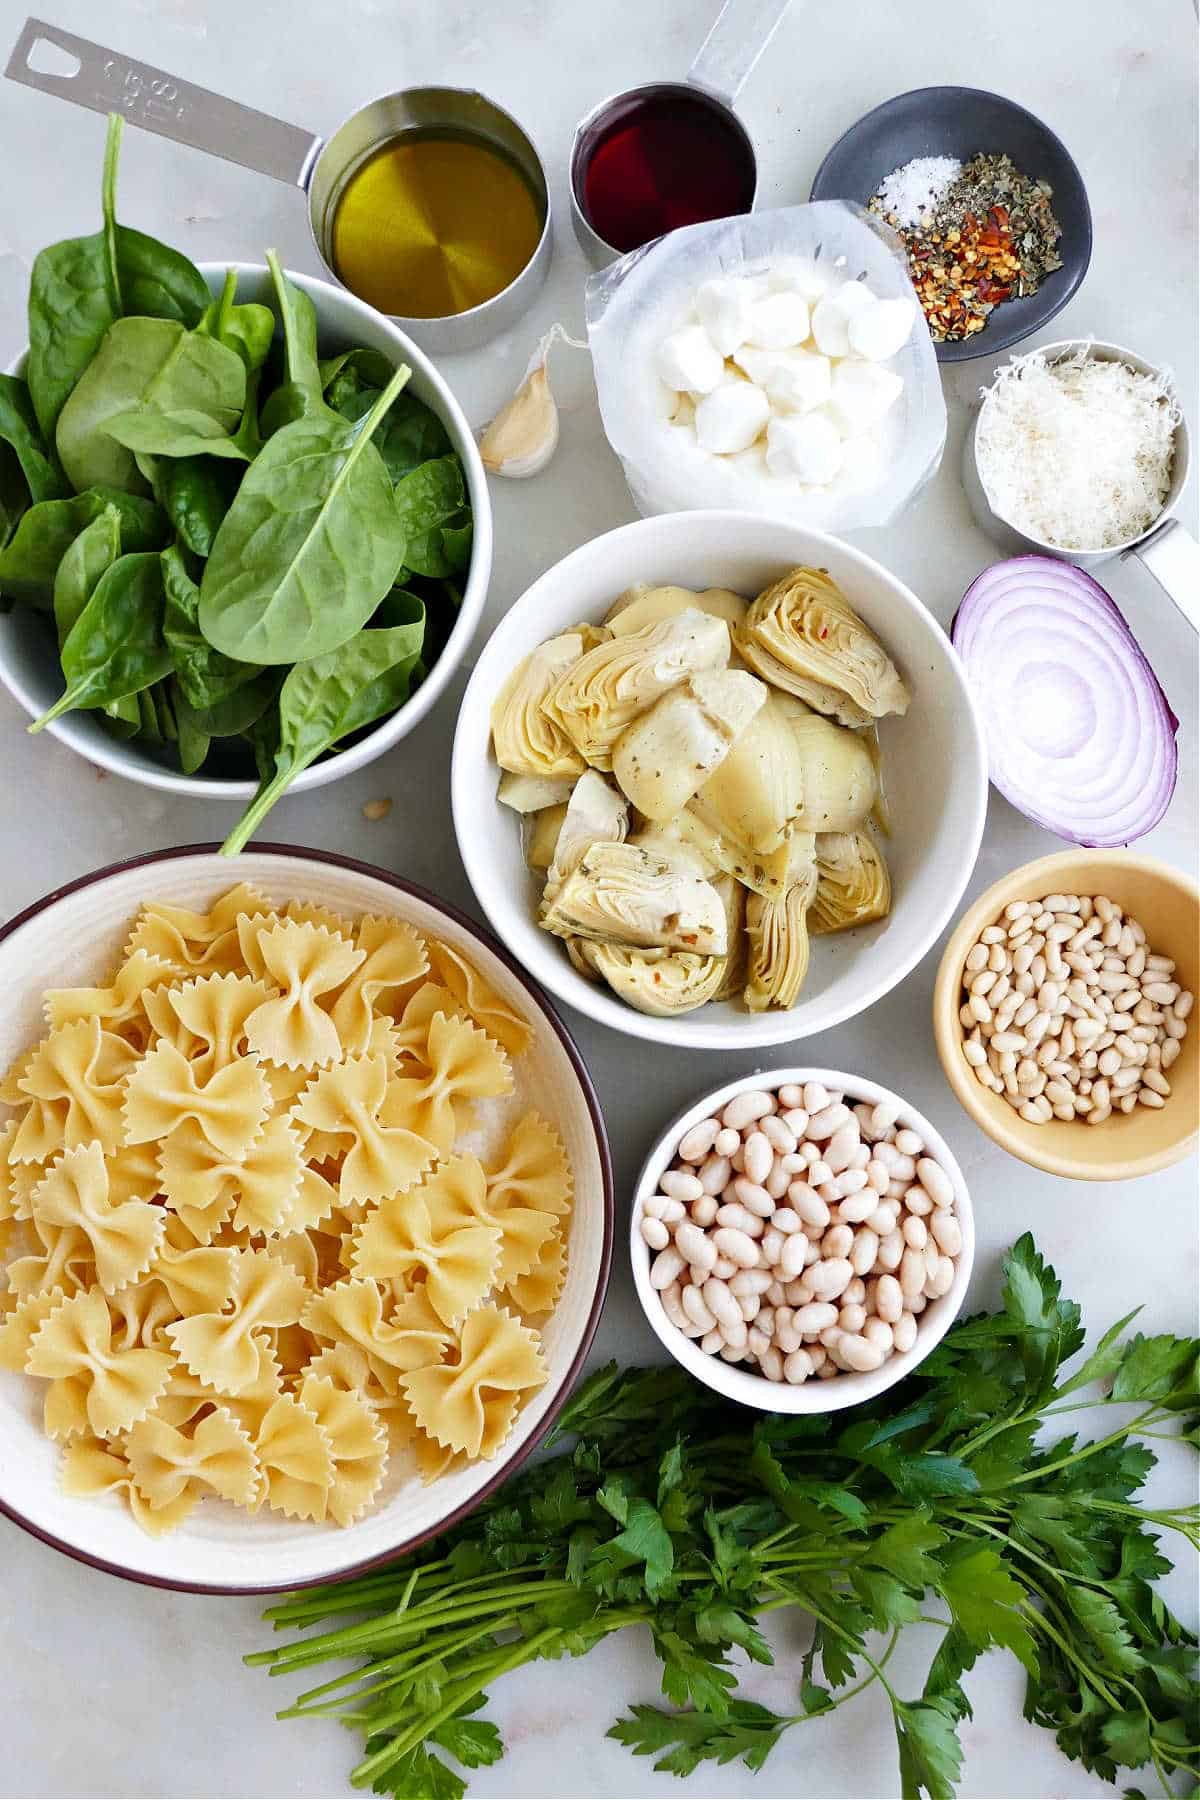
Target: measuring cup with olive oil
x,y
431,204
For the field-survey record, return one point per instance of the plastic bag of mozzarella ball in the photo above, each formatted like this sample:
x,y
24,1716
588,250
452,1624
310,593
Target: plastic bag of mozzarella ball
x,y
777,362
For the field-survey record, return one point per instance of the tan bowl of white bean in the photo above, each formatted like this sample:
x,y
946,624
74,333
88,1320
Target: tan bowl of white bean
x,y
1062,1012
801,1239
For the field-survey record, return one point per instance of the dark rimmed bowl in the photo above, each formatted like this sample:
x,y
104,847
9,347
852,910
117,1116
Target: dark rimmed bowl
x,y
70,937
959,122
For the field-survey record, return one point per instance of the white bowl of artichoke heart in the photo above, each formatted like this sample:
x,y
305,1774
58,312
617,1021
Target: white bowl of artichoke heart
x,y
718,780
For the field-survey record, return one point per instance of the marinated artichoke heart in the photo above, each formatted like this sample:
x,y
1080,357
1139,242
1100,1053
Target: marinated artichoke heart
x,y
803,635
666,754
737,954
533,793
596,814
622,895
661,982
754,795
593,701
669,842
853,885
638,607
778,933
526,740
765,875
541,837
839,780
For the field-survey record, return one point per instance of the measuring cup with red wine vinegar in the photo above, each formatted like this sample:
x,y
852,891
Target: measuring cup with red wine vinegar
x,y
671,153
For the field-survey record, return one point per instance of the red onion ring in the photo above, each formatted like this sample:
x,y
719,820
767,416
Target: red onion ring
x,y
1080,736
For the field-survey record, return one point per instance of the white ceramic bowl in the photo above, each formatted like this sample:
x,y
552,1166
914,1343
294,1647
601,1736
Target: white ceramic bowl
x,y
72,937
812,1396
29,666
934,762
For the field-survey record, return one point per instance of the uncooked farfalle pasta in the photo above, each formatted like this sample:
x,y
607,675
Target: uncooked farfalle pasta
x,y
248,1252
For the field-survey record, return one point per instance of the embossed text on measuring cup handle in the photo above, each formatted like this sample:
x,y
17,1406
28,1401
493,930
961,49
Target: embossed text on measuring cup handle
x,y
109,81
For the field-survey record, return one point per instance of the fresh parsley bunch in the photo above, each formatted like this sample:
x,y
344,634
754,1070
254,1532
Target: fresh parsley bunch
x,y
692,1517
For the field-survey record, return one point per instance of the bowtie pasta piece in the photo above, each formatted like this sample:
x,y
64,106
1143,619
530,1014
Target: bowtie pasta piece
x,y
464,1065
538,1289
533,1170
198,943
358,1442
124,1236
304,961
141,1313
215,1454
488,1008
74,1079
20,1322
394,958
198,1280
206,1018
62,1264
121,1007
467,1403
386,1155
163,1092
295,1453
92,1467
219,1347
93,1384
434,1236
257,1190
352,1313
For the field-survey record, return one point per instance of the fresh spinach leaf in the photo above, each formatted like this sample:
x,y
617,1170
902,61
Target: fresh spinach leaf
x,y
360,368
74,296
248,329
195,493
19,429
238,712
311,544
204,674
178,380
158,282
325,699
299,396
116,645
95,549
413,433
192,738
29,561
14,501
431,504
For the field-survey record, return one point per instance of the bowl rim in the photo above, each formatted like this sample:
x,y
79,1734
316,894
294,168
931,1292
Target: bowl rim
x,y
963,350
729,1379
688,1031
510,1465
397,725
1047,873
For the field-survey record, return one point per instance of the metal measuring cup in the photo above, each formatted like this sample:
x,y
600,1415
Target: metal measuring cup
x,y
108,81
1167,549
742,31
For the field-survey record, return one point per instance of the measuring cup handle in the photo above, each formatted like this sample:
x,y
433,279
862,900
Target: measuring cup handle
x,y
106,81
742,32
1172,556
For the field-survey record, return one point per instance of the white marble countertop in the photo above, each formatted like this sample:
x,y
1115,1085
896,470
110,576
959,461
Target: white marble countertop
x,y
113,1689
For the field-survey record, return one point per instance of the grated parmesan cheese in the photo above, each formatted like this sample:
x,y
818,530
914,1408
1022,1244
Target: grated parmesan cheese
x,y
1077,453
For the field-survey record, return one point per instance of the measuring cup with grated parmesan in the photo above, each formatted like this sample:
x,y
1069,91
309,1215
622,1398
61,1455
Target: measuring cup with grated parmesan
x,y
1080,451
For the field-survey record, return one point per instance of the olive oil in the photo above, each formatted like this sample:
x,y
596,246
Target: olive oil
x,y
433,223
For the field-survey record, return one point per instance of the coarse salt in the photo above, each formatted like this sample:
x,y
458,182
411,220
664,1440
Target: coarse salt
x,y
909,194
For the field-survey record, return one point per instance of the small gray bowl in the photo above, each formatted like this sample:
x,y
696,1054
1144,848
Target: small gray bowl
x,y
959,122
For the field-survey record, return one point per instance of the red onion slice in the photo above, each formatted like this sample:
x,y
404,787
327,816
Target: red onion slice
x,y
1080,736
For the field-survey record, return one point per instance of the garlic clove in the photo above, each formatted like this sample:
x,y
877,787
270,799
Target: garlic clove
x,y
523,436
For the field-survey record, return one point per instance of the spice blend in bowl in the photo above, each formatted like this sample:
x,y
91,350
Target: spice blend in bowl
x,y
801,1229
982,233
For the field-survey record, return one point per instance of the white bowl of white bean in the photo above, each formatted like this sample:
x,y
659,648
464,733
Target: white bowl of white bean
x,y
801,1239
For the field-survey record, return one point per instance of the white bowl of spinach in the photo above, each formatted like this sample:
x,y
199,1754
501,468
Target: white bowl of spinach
x,y
245,535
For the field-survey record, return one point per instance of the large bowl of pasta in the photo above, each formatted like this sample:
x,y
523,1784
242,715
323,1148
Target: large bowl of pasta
x,y
306,1218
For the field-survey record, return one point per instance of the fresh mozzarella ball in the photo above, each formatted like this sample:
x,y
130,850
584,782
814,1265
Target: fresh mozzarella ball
x,y
879,331
778,321
831,316
795,380
862,394
730,418
688,361
724,305
804,447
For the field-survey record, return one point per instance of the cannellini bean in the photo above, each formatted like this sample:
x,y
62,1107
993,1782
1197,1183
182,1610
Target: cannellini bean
x,y
904,1332
754,1198
695,1144
798,1366
842,1145
947,1232
914,1232
819,1173
816,1097
749,1281
917,1201
667,1267
757,1156
790,1095
771,1364
778,1135
712,1342
680,1184
785,1220
912,1272
736,1245
778,1181
815,1317
723,1268
825,1123
770,1247
735,1333
726,1142
655,1234
889,1300
792,1256
692,1301
859,1353
851,1316
745,1108
879,1333
694,1244
714,1174
891,1250
828,1278
749,1305
704,1210
884,1219
757,1341
796,1120
808,1204
855,1209
863,1252
837,1241
935,1181
720,1302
